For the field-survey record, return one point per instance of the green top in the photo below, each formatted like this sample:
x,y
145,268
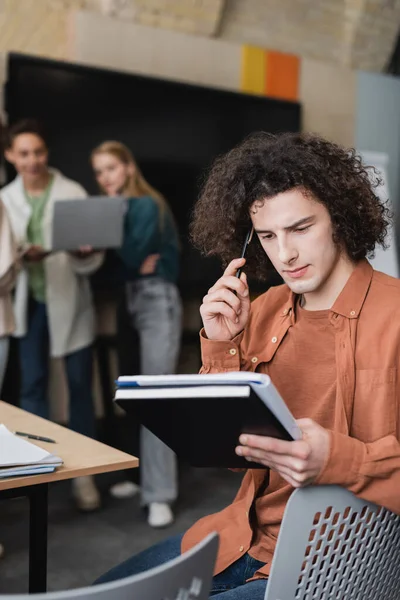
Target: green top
x,y
34,233
146,231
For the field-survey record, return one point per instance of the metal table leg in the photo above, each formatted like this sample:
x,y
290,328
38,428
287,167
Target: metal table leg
x,y
38,502
38,519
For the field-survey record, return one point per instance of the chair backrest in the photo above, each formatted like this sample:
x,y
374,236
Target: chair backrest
x,y
335,546
187,577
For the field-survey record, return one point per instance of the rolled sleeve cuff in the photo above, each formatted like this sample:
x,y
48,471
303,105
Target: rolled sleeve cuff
x,y
220,355
344,462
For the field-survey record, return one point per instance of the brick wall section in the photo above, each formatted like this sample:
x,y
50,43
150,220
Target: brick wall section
x,y
36,26
375,34
355,33
198,17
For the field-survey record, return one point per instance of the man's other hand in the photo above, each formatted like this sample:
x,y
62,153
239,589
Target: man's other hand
x,y
299,462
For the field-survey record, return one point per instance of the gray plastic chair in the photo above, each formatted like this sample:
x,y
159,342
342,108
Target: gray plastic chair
x,y
187,577
333,545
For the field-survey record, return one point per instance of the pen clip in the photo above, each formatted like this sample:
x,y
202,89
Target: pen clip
x,y
249,236
247,241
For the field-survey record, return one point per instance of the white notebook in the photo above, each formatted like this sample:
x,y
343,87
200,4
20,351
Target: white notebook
x,y
17,452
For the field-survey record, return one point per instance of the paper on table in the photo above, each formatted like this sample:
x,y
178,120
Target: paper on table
x,y
28,470
15,451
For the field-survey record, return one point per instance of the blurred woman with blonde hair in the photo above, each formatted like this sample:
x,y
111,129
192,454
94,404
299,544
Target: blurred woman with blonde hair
x,y
149,262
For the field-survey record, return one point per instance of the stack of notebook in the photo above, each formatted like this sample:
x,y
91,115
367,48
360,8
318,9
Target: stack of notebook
x,y
20,457
201,417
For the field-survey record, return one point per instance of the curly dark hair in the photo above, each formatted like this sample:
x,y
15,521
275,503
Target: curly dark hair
x,y
23,126
264,165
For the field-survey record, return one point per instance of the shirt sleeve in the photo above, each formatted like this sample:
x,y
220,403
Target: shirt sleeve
x,y
369,470
141,236
220,356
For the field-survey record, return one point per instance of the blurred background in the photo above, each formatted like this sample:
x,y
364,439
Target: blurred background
x,y
180,82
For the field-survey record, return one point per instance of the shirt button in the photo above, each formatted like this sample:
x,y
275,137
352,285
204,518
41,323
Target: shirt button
x,y
254,359
241,548
232,351
285,312
352,313
274,339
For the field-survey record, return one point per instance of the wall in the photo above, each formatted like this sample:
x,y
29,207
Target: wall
x,y
378,122
326,91
37,26
62,29
350,108
354,33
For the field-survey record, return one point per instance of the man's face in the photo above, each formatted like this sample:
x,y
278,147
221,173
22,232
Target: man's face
x,y
29,156
296,234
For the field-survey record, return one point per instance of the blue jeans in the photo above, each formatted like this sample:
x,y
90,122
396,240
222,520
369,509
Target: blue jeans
x,y
155,310
34,359
228,585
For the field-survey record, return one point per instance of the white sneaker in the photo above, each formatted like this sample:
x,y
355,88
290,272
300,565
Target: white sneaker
x,y
85,493
1,550
160,514
124,489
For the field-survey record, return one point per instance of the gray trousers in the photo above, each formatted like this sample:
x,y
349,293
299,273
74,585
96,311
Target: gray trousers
x,y
155,310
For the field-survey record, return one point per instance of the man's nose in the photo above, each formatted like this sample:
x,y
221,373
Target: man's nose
x,y
287,252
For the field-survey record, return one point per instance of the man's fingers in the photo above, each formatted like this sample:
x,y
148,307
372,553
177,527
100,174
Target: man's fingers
x,y
213,309
234,265
299,449
224,295
275,461
231,283
295,475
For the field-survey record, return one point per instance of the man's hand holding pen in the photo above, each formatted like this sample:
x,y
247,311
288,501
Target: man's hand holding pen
x,y
226,307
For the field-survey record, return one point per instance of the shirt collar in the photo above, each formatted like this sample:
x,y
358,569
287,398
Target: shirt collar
x,y
351,299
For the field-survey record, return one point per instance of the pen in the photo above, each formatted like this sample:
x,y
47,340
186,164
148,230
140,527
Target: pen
x,y
246,243
31,436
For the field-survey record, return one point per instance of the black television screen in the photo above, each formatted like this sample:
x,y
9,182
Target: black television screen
x,y
175,130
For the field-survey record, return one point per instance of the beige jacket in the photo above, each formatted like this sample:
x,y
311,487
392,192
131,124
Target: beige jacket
x,y
9,266
68,295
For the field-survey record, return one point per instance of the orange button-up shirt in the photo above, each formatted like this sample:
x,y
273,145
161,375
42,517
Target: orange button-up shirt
x,y
364,452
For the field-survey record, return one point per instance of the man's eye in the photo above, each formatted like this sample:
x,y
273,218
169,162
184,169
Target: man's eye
x,y
300,229
268,236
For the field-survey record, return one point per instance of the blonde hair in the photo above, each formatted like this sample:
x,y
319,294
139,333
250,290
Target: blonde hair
x,y
136,184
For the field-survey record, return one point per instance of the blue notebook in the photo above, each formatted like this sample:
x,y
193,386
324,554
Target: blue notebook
x,y
19,471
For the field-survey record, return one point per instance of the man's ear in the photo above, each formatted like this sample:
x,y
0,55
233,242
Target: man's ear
x,y
9,154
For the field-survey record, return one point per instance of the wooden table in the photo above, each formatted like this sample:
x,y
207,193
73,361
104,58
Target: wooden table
x,y
81,456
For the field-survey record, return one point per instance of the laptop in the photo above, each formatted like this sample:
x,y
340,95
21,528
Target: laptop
x,y
97,221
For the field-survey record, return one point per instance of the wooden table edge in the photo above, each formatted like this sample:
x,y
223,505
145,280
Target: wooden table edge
x,y
63,473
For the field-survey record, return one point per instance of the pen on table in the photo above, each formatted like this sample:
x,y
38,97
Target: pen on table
x,y
32,436
246,243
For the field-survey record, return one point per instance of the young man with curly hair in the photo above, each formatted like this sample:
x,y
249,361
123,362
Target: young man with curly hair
x,y
329,338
